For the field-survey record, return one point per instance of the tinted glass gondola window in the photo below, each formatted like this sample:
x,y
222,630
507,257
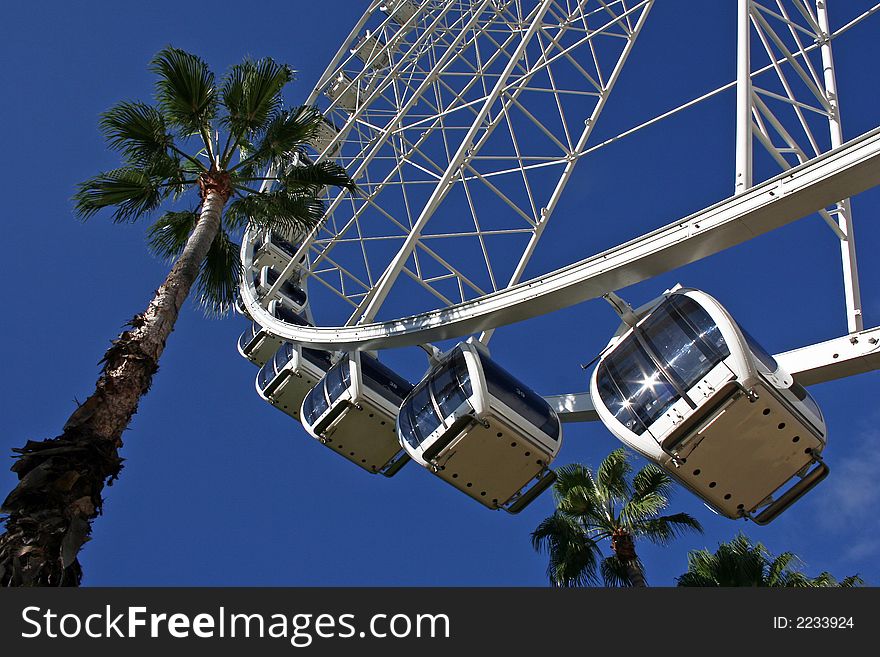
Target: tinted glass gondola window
x,y
417,418
337,380
613,400
248,335
283,356
267,373
451,384
806,399
519,398
288,289
759,352
385,381
317,357
636,384
314,405
684,339
283,244
287,315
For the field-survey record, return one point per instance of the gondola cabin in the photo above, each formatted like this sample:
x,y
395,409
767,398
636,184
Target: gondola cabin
x,y
272,250
372,51
352,411
401,11
691,390
323,137
288,376
343,92
290,294
257,344
478,428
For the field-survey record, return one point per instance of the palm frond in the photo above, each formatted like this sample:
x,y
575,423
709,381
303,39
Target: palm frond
x,y
251,94
850,582
652,479
185,90
167,237
616,573
575,491
137,130
612,474
285,136
277,210
702,569
780,573
695,579
572,554
735,563
316,177
665,529
219,276
132,192
643,508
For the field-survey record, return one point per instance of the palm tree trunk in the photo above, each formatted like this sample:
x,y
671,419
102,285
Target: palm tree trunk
x,y
61,479
624,548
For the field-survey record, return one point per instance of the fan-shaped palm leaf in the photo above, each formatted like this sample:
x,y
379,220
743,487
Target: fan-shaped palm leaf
x,y
575,491
277,210
185,91
137,130
616,572
219,276
284,136
739,562
611,477
251,93
167,236
665,529
572,554
131,191
314,177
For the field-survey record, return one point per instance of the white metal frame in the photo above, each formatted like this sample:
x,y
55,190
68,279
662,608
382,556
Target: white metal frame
x,y
459,73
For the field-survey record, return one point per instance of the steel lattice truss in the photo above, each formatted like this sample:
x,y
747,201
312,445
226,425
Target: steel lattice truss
x,y
793,107
440,112
793,83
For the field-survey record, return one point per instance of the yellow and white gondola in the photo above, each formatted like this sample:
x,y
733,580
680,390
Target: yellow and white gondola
x,y
688,388
272,250
288,376
352,410
289,293
257,344
480,429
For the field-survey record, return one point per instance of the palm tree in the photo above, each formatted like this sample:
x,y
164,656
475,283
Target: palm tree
x,y
608,506
208,142
742,563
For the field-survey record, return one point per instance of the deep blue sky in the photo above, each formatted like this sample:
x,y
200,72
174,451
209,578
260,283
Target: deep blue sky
x,y
221,489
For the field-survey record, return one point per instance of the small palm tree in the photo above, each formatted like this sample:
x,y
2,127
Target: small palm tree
x,y
608,506
743,563
208,142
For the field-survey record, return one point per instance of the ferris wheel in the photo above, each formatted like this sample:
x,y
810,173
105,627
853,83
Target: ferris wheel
x,y
462,122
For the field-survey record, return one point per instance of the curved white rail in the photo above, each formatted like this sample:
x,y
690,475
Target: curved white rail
x,y
845,171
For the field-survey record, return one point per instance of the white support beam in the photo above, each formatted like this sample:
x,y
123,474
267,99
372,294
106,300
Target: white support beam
x,y
743,171
851,291
847,355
